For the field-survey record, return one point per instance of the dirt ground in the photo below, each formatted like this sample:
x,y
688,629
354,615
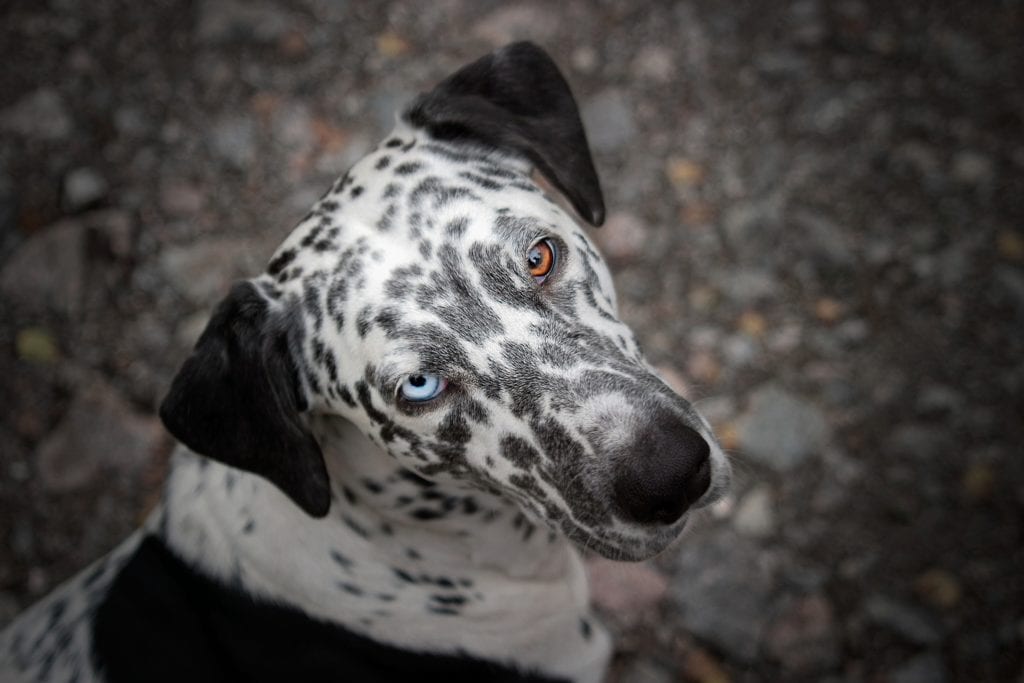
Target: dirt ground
x,y
816,227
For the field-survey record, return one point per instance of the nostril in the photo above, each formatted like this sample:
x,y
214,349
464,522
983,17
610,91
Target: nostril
x,y
666,471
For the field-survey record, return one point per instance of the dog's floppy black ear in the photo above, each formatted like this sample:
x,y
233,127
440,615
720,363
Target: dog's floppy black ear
x,y
237,399
516,98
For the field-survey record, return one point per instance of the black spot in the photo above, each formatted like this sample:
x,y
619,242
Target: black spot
x,y
519,452
425,514
585,629
404,575
281,261
448,611
250,526
382,163
363,392
351,589
454,429
456,227
356,191
372,486
355,526
449,599
408,168
393,142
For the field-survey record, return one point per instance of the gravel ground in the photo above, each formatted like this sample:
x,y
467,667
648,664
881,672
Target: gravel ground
x,y
817,228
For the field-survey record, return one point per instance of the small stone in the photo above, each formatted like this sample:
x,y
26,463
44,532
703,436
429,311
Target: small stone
x,y
392,45
1010,245
179,197
584,59
828,310
972,168
654,63
36,345
704,367
58,286
82,187
203,271
780,429
702,667
624,236
40,114
755,516
234,141
684,172
673,379
979,480
939,587
643,670
98,433
747,286
627,590
608,117
1012,282
221,21
924,668
752,324
804,637
518,21
908,621
725,593
697,213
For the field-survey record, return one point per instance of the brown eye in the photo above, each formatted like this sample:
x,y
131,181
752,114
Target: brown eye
x,y
541,259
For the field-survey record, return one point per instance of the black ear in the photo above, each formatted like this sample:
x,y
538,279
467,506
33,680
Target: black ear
x,y
516,98
237,399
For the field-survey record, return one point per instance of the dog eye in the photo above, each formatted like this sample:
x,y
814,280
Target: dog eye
x,y
421,388
541,260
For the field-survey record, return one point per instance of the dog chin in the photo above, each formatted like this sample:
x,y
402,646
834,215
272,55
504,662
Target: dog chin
x,y
652,543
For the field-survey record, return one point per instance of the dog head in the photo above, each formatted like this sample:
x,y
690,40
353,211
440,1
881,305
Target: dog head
x,y
440,300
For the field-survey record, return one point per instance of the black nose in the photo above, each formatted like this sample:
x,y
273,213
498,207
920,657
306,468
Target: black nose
x,y
665,471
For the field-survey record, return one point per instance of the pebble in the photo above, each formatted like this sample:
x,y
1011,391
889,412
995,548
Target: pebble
x,y
99,433
56,287
654,63
517,21
724,592
907,621
40,114
781,430
36,345
222,21
623,236
233,139
83,187
645,670
924,668
972,168
203,271
755,514
179,197
608,117
804,637
939,588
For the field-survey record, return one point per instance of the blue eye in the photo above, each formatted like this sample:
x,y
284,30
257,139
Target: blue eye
x,y
422,388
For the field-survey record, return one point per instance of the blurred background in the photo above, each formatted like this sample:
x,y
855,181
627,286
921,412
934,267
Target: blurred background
x,y
816,227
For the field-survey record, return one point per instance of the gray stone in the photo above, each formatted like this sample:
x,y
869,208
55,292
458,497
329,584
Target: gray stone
x,y
746,286
233,139
907,621
40,114
608,118
804,638
924,668
724,592
47,272
972,168
781,430
204,271
755,513
654,63
99,434
82,187
517,21
226,20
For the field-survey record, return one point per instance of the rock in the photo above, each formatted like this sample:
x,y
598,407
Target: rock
x,y
939,588
179,197
221,21
1012,281
626,590
781,430
724,592
36,345
608,118
83,187
47,272
517,21
907,621
203,271
98,434
755,514
924,668
644,670
233,139
623,236
701,667
747,286
654,63
804,638
972,168
40,114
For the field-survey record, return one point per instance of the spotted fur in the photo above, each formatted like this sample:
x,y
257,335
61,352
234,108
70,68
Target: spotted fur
x,y
310,497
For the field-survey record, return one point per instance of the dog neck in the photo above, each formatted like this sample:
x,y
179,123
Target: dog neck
x,y
396,559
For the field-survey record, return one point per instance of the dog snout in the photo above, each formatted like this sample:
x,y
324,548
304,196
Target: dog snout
x,y
665,471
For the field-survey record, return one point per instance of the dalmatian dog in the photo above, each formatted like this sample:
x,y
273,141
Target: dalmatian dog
x,y
397,439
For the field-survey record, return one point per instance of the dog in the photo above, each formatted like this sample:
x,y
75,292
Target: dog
x,y
395,439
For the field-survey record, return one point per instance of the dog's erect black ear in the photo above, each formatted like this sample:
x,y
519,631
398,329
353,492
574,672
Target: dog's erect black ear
x,y
516,98
237,399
